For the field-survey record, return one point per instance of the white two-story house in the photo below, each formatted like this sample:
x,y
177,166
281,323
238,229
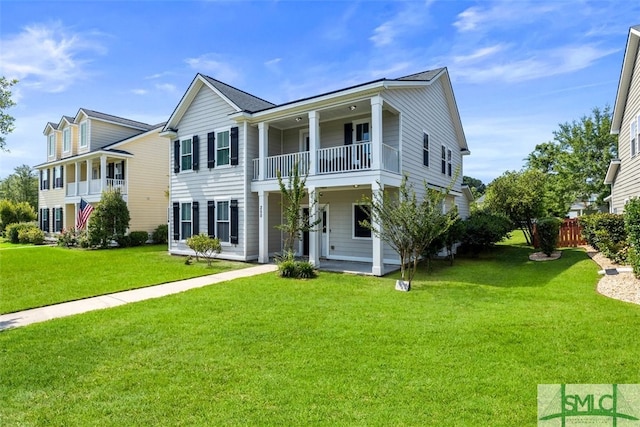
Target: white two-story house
x,y
227,147
93,152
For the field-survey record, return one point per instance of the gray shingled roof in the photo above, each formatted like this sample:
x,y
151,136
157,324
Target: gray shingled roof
x,y
243,100
116,119
423,75
53,125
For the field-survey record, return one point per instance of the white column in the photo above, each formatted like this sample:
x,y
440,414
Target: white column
x,y
314,247
89,172
263,227
77,179
377,268
376,132
314,140
263,147
103,173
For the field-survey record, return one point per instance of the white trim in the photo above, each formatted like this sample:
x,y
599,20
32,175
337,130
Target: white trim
x,y
181,203
354,133
182,154
218,131
64,132
217,210
49,141
353,223
361,259
301,141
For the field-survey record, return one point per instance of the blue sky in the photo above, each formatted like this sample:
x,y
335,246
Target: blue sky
x,y
518,68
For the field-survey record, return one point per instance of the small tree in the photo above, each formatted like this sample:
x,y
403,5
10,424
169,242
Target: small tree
x,y
295,222
109,219
204,246
11,213
409,226
21,186
548,233
520,196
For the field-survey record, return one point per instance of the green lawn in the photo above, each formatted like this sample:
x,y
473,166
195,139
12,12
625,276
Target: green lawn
x,y
34,276
466,347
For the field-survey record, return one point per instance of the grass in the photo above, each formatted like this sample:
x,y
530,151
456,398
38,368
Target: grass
x,y
466,347
34,276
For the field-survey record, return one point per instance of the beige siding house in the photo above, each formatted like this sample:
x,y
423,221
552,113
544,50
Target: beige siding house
x,y
227,147
92,152
624,173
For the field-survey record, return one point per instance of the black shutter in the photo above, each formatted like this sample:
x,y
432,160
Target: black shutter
x,y
211,218
195,218
41,181
122,169
234,222
211,150
111,170
60,225
176,157
46,221
61,176
234,145
196,154
348,133
48,179
40,219
176,221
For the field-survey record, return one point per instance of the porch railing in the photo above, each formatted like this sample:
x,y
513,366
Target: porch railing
x,y
390,159
120,184
285,163
345,158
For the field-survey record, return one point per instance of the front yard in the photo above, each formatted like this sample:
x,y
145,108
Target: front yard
x,y
467,346
34,276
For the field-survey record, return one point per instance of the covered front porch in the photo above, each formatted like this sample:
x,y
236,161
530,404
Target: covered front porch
x,y
338,242
94,175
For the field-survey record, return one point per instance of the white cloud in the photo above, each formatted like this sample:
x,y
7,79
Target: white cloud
x,y
413,16
167,87
479,54
501,14
48,57
139,91
538,64
216,66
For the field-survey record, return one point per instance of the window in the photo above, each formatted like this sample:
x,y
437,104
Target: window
x,y
185,220
66,140
45,179
360,214
57,220
634,137
223,225
223,151
186,154
449,162
443,167
52,146
83,134
362,132
57,177
425,149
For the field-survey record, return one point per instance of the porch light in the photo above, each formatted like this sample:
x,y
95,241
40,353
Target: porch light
x,y
355,185
353,107
298,119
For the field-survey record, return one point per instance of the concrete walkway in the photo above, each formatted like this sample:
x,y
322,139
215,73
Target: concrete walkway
x,y
35,315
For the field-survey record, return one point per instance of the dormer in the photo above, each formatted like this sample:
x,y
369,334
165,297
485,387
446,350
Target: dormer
x,y
69,132
53,141
83,123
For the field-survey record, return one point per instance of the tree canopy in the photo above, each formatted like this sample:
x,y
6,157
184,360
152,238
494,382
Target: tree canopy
x,y
6,120
576,161
21,186
477,187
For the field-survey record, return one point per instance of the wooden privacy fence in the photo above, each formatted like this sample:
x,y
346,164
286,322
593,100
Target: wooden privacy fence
x,y
570,234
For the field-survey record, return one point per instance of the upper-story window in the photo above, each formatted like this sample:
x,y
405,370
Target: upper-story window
x,y
425,149
635,138
66,140
362,132
186,152
449,162
443,161
84,137
51,147
223,148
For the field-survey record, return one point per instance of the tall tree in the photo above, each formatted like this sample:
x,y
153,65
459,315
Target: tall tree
x,y
6,121
519,196
477,186
576,161
21,186
408,224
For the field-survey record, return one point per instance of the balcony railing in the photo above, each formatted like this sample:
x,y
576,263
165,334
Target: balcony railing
x,y
84,188
341,159
120,184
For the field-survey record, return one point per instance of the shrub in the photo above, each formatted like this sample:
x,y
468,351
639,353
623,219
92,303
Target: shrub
x,y
204,246
31,235
68,237
160,234
13,213
138,238
289,267
109,220
12,231
548,230
606,233
632,226
305,270
482,230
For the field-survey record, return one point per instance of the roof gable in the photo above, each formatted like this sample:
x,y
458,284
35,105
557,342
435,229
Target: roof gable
x,y
112,119
628,63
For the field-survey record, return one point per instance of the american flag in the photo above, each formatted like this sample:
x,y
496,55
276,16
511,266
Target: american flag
x,y
83,214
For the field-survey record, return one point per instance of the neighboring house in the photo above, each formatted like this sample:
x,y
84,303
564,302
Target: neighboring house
x,y
585,207
92,152
227,147
624,173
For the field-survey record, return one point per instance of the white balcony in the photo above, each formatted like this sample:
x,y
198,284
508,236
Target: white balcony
x,y
86,188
